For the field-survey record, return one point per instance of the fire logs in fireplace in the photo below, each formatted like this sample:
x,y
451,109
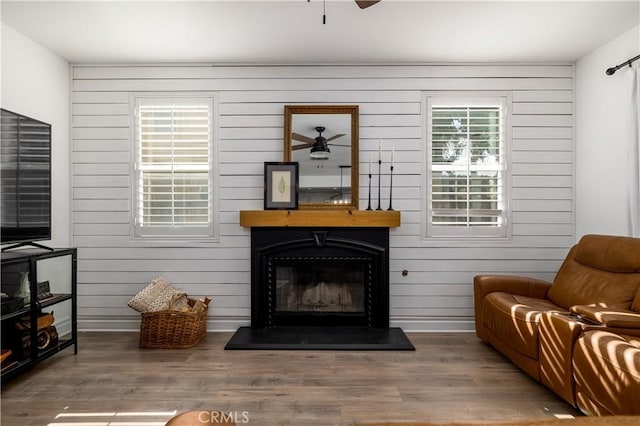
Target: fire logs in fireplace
x,y
332,297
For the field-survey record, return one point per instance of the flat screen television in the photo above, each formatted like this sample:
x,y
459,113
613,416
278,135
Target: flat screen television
x,y
25,181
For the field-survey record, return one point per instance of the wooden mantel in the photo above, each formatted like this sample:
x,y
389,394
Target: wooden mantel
x,y
338,218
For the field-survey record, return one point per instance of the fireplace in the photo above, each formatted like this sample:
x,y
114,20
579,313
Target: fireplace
x,y
320,277
319,281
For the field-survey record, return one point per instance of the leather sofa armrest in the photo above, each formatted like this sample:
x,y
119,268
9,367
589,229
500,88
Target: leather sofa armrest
x,y
512,284
610,317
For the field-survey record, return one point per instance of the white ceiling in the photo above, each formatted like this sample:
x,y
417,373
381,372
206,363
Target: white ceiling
x,y
292,32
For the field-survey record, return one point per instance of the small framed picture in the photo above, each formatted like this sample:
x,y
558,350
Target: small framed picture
x,y
281,185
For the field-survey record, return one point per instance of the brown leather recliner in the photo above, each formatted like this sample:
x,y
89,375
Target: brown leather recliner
x,y
607,373
606,361
536,323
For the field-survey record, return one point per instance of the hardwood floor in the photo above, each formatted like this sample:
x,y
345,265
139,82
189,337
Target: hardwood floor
x,y
111,381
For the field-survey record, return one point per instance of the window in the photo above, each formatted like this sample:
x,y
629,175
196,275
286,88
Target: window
x,y
173,158
467,164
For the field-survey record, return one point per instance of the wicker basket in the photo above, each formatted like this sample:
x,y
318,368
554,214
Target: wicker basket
x,y
172,329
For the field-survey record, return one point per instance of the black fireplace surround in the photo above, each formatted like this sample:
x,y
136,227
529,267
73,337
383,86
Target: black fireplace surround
x,y
348,262
320,288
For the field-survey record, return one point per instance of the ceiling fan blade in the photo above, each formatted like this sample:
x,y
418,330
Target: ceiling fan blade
x,y
301,146
337,144
302,138
363,4
339,135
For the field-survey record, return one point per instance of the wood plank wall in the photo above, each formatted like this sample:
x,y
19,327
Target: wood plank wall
x,y
437,292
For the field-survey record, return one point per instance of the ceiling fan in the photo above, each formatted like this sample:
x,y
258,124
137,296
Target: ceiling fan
x,y
319,146
362,4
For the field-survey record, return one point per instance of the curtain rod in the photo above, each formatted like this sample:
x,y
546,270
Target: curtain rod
x,y
613,70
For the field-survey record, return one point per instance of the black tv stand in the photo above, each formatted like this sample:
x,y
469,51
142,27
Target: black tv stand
x,y
25,346
27,243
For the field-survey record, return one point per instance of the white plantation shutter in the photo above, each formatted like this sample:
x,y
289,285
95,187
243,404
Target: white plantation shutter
x,y
173,167
467,167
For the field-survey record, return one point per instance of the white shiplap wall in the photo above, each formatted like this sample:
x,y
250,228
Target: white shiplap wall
x,y
437,292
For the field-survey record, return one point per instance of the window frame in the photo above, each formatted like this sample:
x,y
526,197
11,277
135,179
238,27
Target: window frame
x,y
173,235
435,233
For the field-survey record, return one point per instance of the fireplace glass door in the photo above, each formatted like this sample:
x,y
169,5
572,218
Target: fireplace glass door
x,y
320,287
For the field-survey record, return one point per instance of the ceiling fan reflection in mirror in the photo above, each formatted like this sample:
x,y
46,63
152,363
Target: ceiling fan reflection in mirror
x,y
319,146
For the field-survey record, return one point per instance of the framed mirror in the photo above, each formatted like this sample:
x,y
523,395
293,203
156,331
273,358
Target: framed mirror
x,y
323,139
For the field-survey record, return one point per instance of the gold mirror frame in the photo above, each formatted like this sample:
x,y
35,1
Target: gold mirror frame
x,y
290,111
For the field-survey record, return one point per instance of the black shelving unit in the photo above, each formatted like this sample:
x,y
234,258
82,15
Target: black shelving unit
x,y
59,267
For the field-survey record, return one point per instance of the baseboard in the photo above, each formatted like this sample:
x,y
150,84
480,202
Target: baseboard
x,y
434,324
63,326
231,324
132,323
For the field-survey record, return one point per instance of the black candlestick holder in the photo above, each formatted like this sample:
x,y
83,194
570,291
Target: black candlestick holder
x,y
369,205
390,189
379,180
